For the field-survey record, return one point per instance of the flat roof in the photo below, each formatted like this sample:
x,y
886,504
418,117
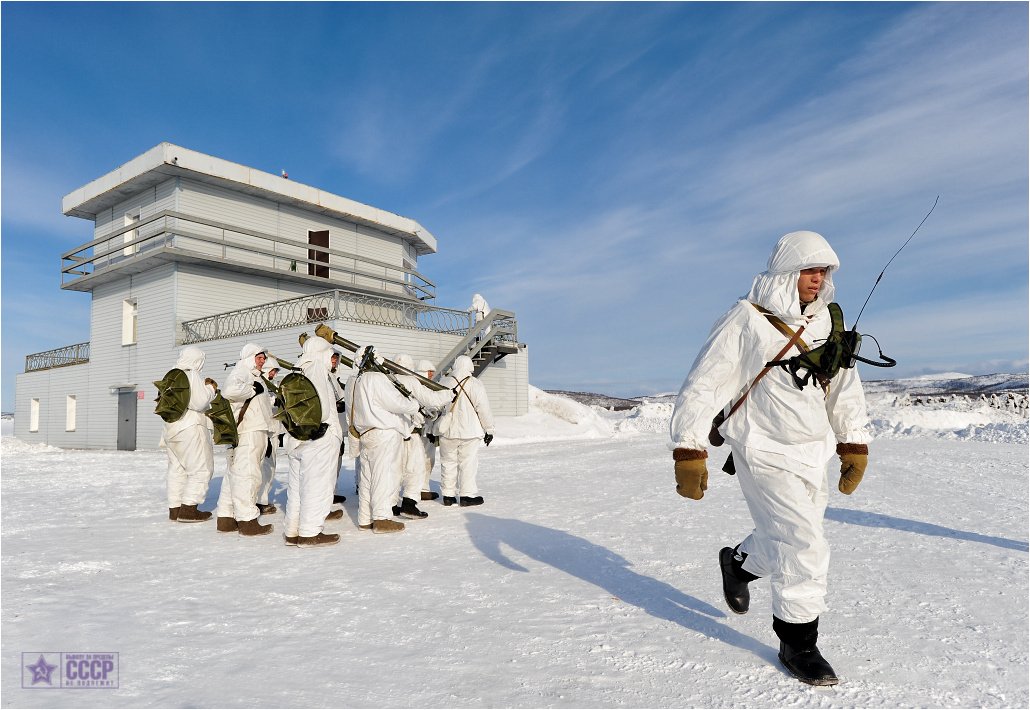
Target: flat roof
x,y
167,160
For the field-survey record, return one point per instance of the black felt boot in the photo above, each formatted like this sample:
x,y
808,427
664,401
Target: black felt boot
x,y
409,509
735,580
799,655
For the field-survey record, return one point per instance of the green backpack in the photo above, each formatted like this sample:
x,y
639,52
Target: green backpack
x,y
224,421
173,395
300,410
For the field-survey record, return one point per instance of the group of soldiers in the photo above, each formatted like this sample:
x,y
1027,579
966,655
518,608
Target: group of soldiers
x,y
391,425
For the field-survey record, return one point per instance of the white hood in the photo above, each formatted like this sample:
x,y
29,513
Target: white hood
x,y
247,354
425,367
462,367
404,361
270,364
777,287
316,351
191,358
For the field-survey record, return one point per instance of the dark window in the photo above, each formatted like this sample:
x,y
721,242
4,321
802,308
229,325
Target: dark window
x,y
319,239
317,314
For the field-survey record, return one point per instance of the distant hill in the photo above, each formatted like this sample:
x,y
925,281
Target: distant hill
x,y
617,404
937,385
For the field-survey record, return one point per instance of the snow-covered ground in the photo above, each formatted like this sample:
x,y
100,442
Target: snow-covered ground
x,y
584,581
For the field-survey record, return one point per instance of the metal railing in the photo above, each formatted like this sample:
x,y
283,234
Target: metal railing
x,y
59,357
229,244
327,306
498,327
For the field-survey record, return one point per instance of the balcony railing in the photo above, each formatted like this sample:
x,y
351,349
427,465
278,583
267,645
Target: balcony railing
x,y
233,245
59,357
328,306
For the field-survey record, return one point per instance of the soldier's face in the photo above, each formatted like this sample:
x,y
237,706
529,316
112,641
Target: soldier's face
x,y
809,283
259,360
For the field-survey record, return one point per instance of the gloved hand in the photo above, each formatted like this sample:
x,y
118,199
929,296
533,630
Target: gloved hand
x,y
209,381
487,438
853,460
258,389
341,406
691,473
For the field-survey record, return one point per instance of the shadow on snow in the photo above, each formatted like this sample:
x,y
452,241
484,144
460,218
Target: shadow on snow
x,y
603,568
878,520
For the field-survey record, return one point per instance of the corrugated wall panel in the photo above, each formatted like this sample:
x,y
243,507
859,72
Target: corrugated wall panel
x,y
52,387
204,291
113,364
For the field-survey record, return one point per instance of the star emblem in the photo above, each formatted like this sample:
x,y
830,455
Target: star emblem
x,y
41,671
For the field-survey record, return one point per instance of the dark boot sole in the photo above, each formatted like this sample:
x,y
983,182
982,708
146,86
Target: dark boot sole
x,y
820,682
414,516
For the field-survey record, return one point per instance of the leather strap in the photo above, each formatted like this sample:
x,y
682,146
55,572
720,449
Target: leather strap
x,y
795,339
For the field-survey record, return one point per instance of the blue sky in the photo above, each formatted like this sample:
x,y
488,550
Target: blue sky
x,y
614,173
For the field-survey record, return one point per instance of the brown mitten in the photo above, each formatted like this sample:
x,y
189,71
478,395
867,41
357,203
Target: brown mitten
x,y
209,381
691,473
853,460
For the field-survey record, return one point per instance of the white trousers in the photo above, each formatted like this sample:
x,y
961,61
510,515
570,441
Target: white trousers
x,y
191,460
459,466
242,477
309,488
267,473
380,462
430,449
787,544
413,468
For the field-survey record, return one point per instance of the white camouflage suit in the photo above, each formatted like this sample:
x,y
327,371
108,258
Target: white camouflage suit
x,y
188,441
413,451
380,414
426,369
461,433
309,489
268,463
782,437
242,480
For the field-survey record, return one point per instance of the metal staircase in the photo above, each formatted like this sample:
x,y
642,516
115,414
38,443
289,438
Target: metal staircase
x,y
487,342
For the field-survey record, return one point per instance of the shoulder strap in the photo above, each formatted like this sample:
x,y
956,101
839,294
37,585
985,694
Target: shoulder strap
x,y
783,328
461,386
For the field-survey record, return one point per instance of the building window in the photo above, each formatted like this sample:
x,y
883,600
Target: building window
x,y
69,413
34,414
131,218
130,321
318,239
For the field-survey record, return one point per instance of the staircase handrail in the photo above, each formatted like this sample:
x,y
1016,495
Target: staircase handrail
x,y
497,325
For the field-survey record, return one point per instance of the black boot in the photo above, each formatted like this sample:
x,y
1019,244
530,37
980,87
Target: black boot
x,y
735,580
449,500
409,509
339,499
799,655
466,501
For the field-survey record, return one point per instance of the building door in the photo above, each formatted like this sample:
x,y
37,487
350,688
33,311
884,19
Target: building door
x,y
318,239
126,421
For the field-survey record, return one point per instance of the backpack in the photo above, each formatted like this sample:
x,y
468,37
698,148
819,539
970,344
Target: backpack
x,y
173,395
300,409
224,421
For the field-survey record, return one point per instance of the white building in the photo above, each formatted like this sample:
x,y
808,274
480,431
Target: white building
x,y
191,249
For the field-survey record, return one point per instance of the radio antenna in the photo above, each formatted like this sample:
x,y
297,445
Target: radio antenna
x,y
855,326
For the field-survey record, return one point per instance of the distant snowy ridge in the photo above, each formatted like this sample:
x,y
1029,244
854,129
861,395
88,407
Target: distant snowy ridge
x,y
991,408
